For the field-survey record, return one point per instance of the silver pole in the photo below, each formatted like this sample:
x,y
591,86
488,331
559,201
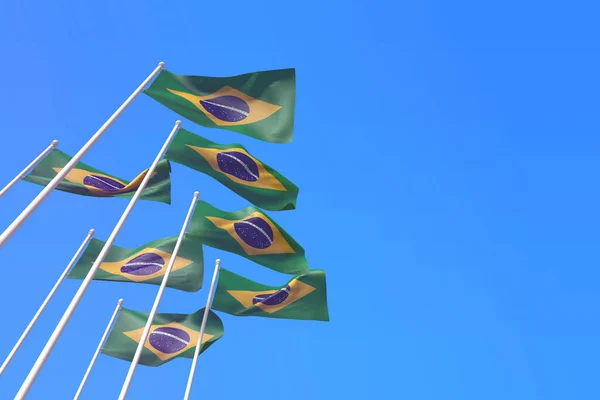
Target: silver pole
x,y
26,213
87,373
35,370
45,303
29,167
145,333
188,388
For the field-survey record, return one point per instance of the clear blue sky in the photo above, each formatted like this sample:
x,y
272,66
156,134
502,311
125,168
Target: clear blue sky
x,y
447,159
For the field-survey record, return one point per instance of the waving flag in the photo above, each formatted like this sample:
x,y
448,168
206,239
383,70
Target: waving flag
x,y
87,181
146,264
259,104
235,168
248,233
303,297
171,336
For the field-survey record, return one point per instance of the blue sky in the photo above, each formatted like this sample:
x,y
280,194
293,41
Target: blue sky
x,y
446,154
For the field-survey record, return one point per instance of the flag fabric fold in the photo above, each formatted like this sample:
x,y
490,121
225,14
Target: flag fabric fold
x,y
303,297
171,336
249,233
234,167
146,264
258,104
87,181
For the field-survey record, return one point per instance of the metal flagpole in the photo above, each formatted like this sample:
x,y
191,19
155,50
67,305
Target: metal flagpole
x,y
26,213
45,303
29,167
35,370
188,388
145,333
87,373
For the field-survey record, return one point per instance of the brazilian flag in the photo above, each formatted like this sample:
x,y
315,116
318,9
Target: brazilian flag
x,y
248,233
88,181
303,297
259,104
146,264
235,168
171,336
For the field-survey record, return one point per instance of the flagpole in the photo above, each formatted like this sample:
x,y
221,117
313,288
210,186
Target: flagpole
x,y
35,370
26,213
145,333
32,164
87,373
188,388
45,303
